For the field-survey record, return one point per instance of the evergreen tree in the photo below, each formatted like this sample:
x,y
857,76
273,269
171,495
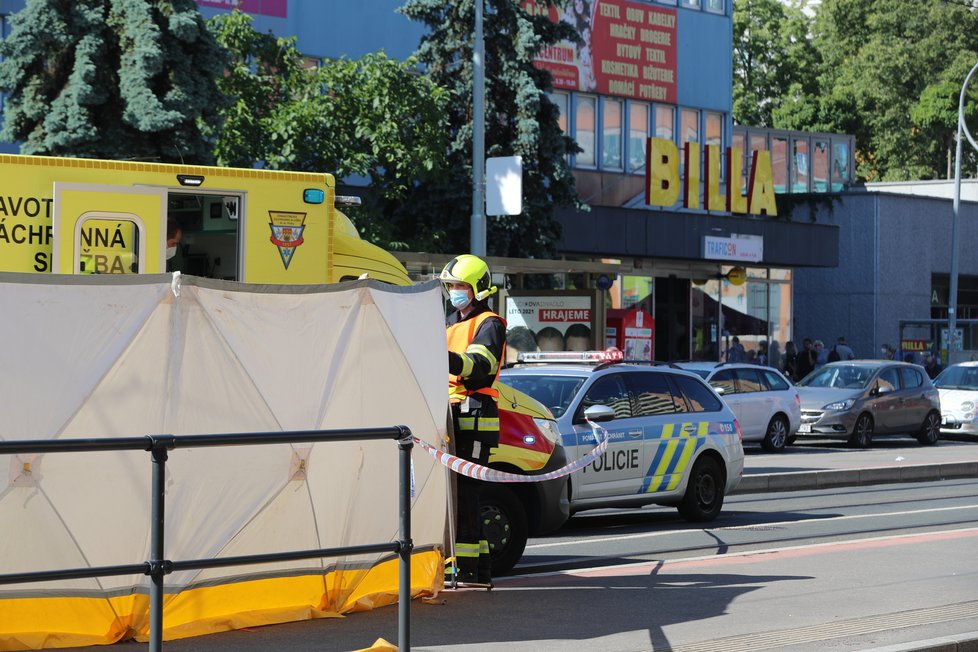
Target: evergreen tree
x,y
111,79
519,117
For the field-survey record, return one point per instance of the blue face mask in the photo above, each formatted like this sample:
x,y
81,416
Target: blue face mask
x,y
459,298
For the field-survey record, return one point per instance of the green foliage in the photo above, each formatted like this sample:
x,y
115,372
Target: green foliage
x,y
772,54
890,68
519,118
887,71
111,79
373,117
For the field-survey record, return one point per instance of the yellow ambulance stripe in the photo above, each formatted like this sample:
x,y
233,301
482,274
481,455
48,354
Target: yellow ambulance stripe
x,y
519,457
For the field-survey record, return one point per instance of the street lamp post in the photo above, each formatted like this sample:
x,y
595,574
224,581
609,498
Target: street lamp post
x,y
477,225
952,300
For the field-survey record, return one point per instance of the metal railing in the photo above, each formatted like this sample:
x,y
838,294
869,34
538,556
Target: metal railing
x,y
158,566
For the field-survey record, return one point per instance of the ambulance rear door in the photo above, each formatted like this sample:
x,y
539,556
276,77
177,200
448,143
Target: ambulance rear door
x,y
103,229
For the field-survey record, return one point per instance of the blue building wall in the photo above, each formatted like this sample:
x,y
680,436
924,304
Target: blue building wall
x,y
890,246
335,28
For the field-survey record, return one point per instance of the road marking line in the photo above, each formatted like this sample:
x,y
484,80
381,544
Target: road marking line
x,y
641,535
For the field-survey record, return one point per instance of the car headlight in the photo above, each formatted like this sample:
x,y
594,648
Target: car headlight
x,y
840,406
548,428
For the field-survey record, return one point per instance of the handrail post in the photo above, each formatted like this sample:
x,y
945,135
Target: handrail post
x,y
158,448
406,486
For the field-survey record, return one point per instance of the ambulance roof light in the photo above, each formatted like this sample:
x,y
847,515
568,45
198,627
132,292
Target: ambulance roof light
x,y
347,200
190,179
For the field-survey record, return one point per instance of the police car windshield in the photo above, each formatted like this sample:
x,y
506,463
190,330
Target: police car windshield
x,y
556,392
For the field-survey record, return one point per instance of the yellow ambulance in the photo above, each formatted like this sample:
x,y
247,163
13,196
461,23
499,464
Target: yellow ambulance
x,y
70,216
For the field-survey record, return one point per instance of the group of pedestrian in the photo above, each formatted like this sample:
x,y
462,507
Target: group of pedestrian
x,y
814,354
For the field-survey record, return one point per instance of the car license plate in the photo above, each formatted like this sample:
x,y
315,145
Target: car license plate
x,y
805,427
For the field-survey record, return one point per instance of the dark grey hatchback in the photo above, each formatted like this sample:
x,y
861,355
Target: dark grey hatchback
x,y
858,399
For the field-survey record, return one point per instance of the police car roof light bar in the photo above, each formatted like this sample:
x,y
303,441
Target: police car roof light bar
x,y
579,357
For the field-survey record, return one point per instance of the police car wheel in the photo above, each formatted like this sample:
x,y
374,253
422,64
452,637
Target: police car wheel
x,y
704,492
504,524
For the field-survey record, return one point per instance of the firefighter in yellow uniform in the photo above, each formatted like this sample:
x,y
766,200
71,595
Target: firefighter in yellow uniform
x,y
476,338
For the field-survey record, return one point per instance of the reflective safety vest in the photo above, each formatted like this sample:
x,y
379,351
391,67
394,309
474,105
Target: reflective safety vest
x,y
460,336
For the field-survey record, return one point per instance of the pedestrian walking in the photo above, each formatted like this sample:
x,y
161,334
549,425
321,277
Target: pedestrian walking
x,y
821,355
790,360
806,359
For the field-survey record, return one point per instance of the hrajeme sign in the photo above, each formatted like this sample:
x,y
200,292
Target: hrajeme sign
x,y
663,184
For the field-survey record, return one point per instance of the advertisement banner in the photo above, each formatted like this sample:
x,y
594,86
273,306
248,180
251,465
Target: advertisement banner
x,y
628,49
545,321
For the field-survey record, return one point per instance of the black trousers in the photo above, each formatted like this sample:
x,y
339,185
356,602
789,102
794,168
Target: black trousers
x,y
476,433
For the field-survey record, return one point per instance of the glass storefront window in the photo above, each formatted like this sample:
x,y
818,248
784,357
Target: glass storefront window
x,y
689,132
820,166
799,165
638,133
665,119
560,99
714,135
703,319
840,165
738,143
714,129
584,130
780,274
611,143
779,163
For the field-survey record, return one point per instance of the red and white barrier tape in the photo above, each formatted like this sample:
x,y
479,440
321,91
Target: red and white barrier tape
x,y
479,472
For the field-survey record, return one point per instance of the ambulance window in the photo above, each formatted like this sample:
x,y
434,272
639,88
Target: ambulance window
x,y
108,247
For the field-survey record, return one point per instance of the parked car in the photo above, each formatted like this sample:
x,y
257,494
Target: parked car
x,y
859,399
672,440
958,387
767,406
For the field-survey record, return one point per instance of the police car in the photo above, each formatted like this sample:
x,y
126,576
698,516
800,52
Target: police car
x,y
671,439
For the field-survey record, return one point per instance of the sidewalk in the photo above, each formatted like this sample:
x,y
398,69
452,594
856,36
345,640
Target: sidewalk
x,y
802,467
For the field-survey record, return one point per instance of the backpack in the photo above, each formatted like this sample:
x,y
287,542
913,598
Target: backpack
x,y
834,355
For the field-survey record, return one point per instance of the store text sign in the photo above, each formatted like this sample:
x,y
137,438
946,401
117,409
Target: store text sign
x,y
740,248
627,49
663,184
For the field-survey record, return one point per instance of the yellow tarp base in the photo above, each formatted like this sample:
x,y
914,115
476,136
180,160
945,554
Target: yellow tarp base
x,y
60,622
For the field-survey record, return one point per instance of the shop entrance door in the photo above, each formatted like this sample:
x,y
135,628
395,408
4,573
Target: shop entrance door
x,y
671,318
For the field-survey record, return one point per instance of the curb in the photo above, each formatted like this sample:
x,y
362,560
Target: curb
x,y
832,478
966,642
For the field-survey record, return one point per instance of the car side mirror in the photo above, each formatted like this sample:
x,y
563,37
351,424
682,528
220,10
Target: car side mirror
x,y
598,413
718,389
882,389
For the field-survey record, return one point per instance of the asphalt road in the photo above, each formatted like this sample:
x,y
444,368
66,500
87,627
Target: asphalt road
x,y
895,583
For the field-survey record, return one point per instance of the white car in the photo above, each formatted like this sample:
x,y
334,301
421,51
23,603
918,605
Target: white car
x,y
767,405
958,386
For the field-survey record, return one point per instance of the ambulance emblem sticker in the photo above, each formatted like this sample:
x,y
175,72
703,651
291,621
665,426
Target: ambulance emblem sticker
x,y
286,233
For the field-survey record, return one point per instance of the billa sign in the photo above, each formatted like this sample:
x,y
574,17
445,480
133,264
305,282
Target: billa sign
x,y
663,184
